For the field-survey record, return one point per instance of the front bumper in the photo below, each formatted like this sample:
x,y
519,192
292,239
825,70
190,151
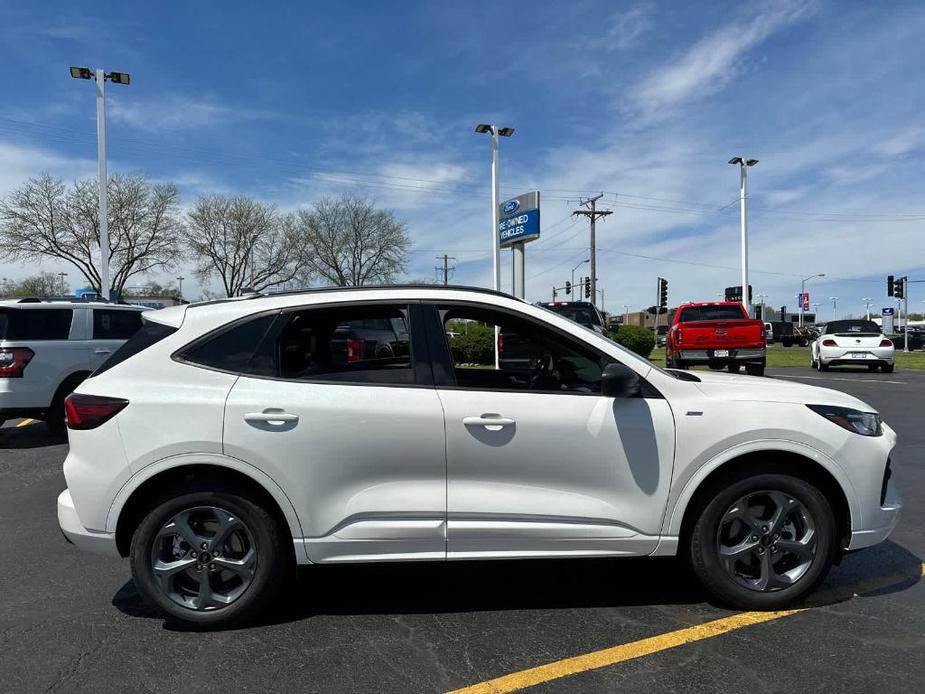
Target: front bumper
x,y
76,534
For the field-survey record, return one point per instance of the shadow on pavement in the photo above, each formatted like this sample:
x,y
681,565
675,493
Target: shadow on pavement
x,y
431,587
34,435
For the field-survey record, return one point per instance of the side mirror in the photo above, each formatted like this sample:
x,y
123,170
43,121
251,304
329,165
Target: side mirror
x,y
620,381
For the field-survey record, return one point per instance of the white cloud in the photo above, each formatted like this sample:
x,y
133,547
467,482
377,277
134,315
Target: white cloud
x,y
627,27
713,61
902,143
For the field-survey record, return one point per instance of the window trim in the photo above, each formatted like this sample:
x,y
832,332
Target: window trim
x,y
422,373
444,373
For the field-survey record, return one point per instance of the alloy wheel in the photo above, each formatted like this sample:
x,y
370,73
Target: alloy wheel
x,y
204,558
766,540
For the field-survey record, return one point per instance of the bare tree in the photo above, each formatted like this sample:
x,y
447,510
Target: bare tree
x,y
42,284
348,242
242,241
44,218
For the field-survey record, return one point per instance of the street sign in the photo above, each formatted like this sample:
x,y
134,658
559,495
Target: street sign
x,y
888,312
519,219
886,320
805,300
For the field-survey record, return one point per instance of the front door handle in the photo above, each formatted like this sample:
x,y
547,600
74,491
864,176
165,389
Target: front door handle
x,y
277,417
102,351
492,422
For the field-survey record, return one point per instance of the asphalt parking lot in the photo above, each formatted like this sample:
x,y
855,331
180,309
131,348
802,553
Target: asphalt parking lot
x,y
73,622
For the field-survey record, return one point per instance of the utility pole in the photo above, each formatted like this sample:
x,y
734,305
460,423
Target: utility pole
x,y
180,287
446,267
744,163
592,213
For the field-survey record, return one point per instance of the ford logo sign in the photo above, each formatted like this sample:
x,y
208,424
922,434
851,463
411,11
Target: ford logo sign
x,y
510,206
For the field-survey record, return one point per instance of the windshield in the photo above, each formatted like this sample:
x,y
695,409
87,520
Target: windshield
x,y
579,314
718,312
852,327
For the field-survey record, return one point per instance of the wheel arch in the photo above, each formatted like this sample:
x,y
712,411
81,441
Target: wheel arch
x,y
826,476
71,381
137,495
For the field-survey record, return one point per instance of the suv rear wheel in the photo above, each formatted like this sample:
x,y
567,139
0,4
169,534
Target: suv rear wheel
x,y
208,558
763,541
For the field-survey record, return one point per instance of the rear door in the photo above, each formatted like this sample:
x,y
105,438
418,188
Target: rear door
x,y
42,336
110,329
354,436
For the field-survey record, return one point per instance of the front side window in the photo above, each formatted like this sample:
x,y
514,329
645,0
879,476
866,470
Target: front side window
x,y
531,357
115,324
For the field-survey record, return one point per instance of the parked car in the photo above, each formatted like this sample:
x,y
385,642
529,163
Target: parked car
x,y
661,335
768,332
853,343
719,335
582,312
217,459
48,347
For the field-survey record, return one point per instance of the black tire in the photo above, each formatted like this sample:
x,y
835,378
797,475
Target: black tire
x,y
888,368
786,341
754,369
704,544
733,368
272,569
872,367
823,366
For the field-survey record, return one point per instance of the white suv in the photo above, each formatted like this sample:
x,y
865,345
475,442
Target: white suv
x,y
48,347
227,442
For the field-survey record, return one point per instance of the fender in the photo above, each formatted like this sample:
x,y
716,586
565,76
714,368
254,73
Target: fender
x,y
672,525
218,460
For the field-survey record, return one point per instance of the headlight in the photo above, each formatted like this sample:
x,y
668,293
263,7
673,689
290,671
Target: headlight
x,y
863,423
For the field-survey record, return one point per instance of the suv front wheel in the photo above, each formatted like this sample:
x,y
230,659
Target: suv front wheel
x,y
763,541
208,558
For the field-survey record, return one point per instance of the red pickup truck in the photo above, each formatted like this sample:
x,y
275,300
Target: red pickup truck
x,y
718,335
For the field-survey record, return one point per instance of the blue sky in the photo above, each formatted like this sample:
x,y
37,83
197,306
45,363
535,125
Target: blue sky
x,y
644,101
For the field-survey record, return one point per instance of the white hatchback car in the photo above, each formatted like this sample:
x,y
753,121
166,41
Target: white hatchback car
x,y
853,343
228,441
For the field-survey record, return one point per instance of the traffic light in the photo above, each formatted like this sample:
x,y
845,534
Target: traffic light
x,y
899,287
783,314
587,287
568,287
662,292
889,285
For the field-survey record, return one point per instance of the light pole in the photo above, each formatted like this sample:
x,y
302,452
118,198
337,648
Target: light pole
x,y
85,73
626,314
744,165
834,300
803,291
495,132
180,279
761,298
867,301
586,260
61,276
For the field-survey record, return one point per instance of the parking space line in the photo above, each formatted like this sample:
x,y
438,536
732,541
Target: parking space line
x,y
654,644
836,378
25,422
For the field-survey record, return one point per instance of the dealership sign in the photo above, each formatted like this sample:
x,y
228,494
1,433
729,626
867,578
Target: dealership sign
x,y
519,219
804,299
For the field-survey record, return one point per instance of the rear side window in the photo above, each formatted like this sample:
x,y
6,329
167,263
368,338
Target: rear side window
x,y
233,348
115,324
35,324
149,334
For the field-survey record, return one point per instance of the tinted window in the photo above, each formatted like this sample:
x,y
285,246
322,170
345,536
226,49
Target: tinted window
x,y
695,313
115,324
369,344
579,314
852,327
233,348
149,334
19,324
530,356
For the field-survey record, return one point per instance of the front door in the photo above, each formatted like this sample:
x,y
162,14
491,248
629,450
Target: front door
x,y
539,463
342,413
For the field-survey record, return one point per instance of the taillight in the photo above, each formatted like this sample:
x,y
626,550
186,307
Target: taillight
x,y
829,343
886,343
355,349
679,335
89,411
13,361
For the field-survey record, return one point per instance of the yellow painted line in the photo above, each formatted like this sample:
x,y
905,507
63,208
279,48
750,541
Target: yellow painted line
x,y
25,422
637,649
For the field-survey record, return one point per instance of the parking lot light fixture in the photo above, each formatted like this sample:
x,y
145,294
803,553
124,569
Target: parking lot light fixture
x,y
744,163
834,300
803,291
586,260
867,301
85,73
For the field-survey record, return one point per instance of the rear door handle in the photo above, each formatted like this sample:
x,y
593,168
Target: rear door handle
x,y
277,417
492,422
102,351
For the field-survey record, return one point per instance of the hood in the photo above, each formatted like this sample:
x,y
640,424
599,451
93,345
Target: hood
x,y
734,388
